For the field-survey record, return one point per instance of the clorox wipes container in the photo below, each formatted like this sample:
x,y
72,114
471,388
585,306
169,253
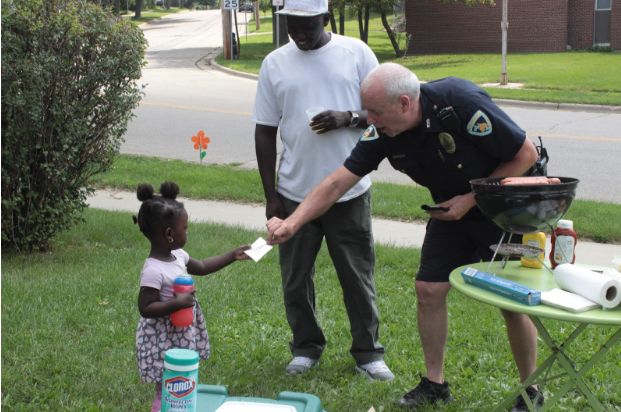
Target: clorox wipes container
x,y
180,380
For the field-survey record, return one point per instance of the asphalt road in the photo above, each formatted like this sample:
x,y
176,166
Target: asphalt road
x,y
184,95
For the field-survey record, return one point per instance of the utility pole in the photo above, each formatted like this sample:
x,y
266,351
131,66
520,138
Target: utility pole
x,y
227,7
226,32
504,25
277,4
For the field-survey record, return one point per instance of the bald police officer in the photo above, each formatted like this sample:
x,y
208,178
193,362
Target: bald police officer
x,y
441,134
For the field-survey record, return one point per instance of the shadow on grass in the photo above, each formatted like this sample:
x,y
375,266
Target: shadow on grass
x,y
430,66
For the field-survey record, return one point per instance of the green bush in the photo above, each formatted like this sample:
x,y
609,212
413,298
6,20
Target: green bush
x,y
600,49
265,6
69,72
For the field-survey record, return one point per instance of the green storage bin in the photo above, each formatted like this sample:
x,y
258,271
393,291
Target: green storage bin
x,y
211,397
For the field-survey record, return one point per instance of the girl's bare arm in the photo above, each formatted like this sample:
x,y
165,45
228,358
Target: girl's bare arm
x,y
214,264
150,306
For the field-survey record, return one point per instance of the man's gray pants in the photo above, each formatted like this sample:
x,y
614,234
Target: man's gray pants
x,y
347,229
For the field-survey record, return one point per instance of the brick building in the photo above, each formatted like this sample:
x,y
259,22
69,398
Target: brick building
x,y
534,26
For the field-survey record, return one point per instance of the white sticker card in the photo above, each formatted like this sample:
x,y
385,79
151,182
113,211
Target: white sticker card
x,y
258,249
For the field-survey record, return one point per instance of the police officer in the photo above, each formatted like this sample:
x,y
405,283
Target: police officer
x,y
441,134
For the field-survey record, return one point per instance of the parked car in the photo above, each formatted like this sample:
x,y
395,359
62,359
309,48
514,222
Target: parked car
x,y
159,3
247,7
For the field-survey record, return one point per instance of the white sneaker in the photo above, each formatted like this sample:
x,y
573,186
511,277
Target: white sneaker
x,y
376,371
300,365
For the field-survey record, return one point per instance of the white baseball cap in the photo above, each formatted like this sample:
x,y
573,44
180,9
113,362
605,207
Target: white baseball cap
x,y
304,8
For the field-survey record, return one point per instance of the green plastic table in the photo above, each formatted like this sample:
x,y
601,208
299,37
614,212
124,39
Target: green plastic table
x,y
541,279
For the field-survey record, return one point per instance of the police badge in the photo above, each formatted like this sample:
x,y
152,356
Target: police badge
x,y
447,142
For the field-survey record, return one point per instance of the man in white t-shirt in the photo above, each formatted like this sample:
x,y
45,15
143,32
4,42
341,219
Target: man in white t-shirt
x,y
319,69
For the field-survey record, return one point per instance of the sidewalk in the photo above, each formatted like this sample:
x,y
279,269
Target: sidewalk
x,y
385,232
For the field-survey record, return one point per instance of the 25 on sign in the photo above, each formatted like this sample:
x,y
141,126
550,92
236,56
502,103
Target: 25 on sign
x,y
231,4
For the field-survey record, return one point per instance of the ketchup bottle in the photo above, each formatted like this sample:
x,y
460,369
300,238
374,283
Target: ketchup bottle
x,y
183,317
563,241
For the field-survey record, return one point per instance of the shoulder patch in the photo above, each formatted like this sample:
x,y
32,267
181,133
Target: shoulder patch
x,y
369,134
479,125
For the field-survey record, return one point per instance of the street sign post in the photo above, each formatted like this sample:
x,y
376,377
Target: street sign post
x,y
231,4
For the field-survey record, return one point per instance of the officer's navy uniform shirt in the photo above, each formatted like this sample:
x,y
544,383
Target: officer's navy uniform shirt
x,y
442,160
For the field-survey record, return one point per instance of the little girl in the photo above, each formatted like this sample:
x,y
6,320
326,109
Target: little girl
x,y
164,221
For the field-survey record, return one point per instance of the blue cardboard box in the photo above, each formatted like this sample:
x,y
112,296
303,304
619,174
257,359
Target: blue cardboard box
x,y
500,286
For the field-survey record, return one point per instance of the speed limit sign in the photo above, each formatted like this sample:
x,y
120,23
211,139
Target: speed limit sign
x,y
231,4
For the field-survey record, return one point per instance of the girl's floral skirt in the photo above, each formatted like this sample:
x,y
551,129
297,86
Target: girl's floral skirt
x,y
155,336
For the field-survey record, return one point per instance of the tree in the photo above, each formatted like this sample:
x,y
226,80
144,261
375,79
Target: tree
x,y
138,12
339,6
364,11
341,9
364,27
332,20
213,4
386,7
69,72
265,6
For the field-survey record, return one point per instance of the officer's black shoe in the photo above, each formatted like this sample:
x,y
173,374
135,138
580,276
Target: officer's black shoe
x,y
520,405
426,392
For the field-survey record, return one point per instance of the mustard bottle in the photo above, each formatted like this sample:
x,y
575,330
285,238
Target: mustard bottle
x,y
537,239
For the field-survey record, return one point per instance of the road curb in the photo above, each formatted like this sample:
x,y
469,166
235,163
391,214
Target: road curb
x,y
591,108
211,60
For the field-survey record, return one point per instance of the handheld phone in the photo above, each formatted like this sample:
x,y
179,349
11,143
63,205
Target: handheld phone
x,y
433,209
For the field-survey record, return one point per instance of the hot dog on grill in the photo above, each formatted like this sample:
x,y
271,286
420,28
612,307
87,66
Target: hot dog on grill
x,y
529,180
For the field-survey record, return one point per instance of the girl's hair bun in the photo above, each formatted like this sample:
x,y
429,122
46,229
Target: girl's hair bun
x,y
169,190
145,192
158,212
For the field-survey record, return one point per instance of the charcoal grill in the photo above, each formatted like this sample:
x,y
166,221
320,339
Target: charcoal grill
x,y
522,210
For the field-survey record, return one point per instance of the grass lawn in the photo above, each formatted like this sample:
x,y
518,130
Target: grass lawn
x,y
69,319
593,220
568,77
265,24
148,15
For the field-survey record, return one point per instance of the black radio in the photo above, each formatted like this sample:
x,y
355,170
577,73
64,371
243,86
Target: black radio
x,y
449,119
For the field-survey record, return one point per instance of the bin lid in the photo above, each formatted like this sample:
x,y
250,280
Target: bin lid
x,y
235,406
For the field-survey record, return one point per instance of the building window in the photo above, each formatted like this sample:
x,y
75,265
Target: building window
x,y
603,4
601,35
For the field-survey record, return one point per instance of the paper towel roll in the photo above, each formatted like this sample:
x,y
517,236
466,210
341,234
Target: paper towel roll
x,y
592,285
